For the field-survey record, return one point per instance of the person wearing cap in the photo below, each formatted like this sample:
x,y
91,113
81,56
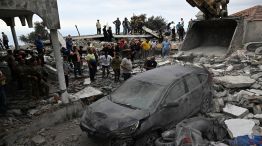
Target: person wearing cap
x,y
98,27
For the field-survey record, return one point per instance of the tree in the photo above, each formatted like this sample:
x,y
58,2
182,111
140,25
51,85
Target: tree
x,y
156,23
39,29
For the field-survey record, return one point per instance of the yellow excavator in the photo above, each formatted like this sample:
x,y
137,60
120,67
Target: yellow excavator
x,y
211,8
218,34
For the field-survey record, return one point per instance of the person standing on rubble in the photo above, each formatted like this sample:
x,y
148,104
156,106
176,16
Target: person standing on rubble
x,y
116,61
3,103
190,23
10,59
40,47
173,31
98,27
92,64
182,22
66,67
146,46
117,23
166,47
125,26
105,60
126,67
105,33
76,61
5,40
110,34
181,33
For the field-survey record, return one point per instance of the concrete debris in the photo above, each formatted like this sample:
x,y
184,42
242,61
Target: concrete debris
x,y
87,81
257,109
258,51
239,127
235,111
16,112
256,76
229,68
219,66
235,81
86,93
38,140
256,92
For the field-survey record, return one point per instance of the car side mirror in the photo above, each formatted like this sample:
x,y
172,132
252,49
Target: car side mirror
x,y
173,104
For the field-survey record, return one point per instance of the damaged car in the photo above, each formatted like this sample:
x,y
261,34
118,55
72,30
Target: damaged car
x,y
149,103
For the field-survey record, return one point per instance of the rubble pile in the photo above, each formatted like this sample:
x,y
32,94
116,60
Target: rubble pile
x,y
237,89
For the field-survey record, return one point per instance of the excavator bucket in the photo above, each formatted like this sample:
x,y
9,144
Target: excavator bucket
x,y
210,37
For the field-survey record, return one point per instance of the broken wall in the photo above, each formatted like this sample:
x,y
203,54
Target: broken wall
x,y
253,31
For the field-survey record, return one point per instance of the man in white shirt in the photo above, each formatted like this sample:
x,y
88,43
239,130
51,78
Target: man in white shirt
x,y
105,62
98,27
126,67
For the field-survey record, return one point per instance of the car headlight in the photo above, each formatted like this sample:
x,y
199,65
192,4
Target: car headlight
x,y
128,130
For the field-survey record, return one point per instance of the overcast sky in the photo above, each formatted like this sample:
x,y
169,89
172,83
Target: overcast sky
x,y
84,13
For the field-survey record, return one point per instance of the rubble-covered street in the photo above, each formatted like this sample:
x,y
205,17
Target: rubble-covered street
x,y
139,81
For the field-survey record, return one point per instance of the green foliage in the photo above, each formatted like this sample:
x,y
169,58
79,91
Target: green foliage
x,y
156,23
39,29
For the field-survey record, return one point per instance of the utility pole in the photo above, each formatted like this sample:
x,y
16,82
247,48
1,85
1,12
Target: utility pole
x,y
77,30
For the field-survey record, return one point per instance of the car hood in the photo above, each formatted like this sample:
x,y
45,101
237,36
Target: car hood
x,y
105,116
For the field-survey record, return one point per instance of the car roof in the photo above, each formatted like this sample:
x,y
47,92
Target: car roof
x,y
167,74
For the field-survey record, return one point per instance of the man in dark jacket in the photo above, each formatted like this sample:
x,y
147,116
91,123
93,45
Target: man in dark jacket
x,y
117,25
105,34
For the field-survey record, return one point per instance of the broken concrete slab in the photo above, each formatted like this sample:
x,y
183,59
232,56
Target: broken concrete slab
x,y
256,92
38,141
162,63
229,68
258,51
235,111
256,76
235,81
219,66
87,81
86,93
239,127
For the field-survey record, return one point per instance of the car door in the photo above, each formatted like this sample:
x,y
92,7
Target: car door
x,y
176,95
195,91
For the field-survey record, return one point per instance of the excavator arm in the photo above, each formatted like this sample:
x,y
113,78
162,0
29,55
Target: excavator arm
x,y
211,8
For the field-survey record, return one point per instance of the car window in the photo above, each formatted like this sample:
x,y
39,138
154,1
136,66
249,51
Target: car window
x,y
202,77
139,94
192,82
177,91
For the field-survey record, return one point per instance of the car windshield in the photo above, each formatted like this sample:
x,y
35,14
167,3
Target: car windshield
x,y
138,94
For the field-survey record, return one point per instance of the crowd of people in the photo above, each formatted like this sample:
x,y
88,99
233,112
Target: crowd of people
x,y
119,56
27,73
130,27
